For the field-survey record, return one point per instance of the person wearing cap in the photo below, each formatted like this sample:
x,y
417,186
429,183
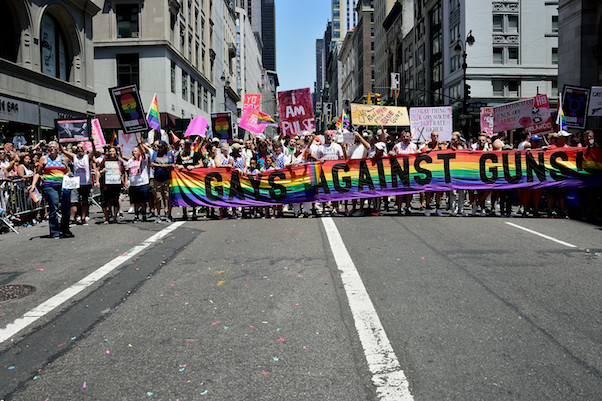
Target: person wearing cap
x,y
162,162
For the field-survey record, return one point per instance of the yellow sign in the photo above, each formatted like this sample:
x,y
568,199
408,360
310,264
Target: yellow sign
x,y
366,114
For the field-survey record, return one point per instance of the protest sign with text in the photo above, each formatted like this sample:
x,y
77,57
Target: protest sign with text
x,y
595,102
221,125
296,112
574,106
128,106
74,130
532,114
424,120
250,113
387,176
366,114
487,120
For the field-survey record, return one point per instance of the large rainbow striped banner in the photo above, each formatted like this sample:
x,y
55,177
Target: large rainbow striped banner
x,y
365,178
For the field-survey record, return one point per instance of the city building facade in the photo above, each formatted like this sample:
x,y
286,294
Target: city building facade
x,y
46,65
268,34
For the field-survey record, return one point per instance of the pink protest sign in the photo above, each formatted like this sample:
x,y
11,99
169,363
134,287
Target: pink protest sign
x,y
198,126
487,120
296,111
97,136
250,112
532,114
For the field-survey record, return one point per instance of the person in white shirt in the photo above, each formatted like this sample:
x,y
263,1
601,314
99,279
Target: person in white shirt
x,y
405,147
359,150
82,168
330,151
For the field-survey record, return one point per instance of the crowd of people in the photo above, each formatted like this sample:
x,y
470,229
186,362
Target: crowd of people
x,y
145,176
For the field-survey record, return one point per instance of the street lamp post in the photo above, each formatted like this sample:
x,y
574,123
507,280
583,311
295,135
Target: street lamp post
x,y
461,46
226,83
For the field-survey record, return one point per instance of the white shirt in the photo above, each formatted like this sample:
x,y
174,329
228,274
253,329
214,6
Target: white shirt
x,y
402,149
357,152
138,171
81,169
333,151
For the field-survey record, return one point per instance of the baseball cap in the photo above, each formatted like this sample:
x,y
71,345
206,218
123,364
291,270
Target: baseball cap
x,y
563,133
535,138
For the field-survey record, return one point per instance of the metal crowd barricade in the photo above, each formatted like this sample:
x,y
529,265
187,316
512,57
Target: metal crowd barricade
x,y
15,200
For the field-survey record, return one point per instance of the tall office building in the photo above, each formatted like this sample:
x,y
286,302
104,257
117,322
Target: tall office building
x,y
268,34
344,18
320,61
253,9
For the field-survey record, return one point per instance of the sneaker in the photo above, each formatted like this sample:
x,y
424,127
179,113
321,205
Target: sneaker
x,y
439,212
483,213
323,214
185,217
131,210
305,215
427,212
475,209
358,213
408,211
71,223
67,234
462,214
453,213
136,218
334,213
169,219
376,213
157,219
78,220
399,212
120,214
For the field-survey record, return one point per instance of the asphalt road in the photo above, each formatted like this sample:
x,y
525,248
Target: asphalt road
x,y
473,308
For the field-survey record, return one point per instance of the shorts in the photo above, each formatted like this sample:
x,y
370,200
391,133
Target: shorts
x,y
81,194
139,194
110,195
162,191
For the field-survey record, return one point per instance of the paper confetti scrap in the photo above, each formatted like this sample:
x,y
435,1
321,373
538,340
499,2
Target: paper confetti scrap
x,y
280,339
84,385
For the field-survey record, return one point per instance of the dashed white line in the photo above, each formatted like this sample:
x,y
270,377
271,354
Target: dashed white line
x,y
387,375
542,235
46,307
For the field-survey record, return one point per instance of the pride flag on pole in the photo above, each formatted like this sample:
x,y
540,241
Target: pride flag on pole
x,y
343,122
560,117
152,117
266,119
114,139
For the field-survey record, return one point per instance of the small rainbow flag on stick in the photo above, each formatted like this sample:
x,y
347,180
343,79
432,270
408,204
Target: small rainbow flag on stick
x,y
343,122
196,145
114,139
266,119
35,195
315,170
560,121
153,117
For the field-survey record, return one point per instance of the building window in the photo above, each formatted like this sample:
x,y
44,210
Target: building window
x,y
203,61
127,20
192,85
172,28
202,29
182,39
505,55
454,34
54,49
503,88
184,85
554,55
128,70
205,105
199,98
554,24
173,77
505,23
190,47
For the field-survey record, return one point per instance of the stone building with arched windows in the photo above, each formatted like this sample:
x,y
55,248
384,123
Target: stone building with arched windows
x,y
46,65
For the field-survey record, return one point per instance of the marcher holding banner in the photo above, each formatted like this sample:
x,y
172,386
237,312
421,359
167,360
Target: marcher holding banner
x,y
111,172
83,165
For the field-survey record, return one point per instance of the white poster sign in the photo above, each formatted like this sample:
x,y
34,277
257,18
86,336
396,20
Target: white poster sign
x,y
127,142
424,120
595,102
113,173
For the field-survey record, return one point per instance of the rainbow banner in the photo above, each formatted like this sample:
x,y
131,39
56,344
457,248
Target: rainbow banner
x,y
153,117
365,178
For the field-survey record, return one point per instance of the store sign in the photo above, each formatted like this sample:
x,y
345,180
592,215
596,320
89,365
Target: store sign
x,y
18,111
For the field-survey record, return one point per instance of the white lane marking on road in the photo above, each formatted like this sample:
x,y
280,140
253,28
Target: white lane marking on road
x,y
387,375
542,235
44,308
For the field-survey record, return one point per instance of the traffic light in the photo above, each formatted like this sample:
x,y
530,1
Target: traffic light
x,y
467,91
377,98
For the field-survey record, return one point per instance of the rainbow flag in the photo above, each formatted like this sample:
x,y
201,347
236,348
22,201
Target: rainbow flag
x,y
35,195
315,169
560,122
266,119
114,139
174,138
153,117
343,122
196,145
